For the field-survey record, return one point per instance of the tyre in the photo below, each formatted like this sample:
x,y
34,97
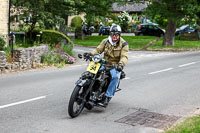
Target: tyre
x,y
76,102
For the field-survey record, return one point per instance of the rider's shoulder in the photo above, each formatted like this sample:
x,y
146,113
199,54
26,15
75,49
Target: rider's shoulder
x,y
105,41
123,42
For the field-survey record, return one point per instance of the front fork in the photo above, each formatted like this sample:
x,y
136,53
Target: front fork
x,y
86,82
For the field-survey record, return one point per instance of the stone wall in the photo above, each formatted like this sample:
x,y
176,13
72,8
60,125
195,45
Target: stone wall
x,y
2,59
23,59
4,6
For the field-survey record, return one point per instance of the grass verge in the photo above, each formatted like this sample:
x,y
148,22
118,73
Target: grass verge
x,y
139,42
190,125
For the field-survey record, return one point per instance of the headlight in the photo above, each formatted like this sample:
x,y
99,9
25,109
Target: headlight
x,y
96,58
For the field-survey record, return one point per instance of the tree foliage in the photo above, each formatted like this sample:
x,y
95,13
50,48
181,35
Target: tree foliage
x,y
77,24
43,13
177,12
94,8
172,14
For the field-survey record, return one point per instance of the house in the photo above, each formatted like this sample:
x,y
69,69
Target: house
x,y
71,17
4,19
131,8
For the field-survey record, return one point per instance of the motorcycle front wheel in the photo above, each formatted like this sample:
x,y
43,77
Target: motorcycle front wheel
x,y
76,102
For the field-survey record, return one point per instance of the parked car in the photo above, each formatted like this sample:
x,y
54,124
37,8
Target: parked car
x,y
185,28
149,30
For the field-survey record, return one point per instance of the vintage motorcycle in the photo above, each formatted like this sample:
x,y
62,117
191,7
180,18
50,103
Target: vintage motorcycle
x,y
90,89
87,30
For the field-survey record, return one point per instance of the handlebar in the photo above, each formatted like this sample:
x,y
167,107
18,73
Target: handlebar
x,y
103,61
85,57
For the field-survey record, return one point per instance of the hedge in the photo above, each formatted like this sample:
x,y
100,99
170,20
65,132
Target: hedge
x,y
53,37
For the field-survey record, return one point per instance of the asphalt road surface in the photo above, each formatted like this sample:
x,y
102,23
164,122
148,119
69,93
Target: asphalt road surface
x,y
160,89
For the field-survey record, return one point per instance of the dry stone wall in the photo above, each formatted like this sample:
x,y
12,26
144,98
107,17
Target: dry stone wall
x,y
23,59
2,59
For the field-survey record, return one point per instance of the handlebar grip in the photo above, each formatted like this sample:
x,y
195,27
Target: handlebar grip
x,y
80,56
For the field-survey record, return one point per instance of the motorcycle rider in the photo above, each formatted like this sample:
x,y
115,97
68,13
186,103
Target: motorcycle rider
x,y
101,29
115,50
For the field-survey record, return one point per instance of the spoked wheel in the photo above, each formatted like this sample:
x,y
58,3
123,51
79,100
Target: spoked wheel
x,y
76,103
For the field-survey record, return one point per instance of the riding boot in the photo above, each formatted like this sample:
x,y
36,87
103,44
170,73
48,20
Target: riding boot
x,y
106,101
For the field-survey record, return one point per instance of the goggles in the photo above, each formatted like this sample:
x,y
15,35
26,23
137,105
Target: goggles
x,y
114,33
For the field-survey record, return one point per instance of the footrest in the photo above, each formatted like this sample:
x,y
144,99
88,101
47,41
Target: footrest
x,y
118,89
101,105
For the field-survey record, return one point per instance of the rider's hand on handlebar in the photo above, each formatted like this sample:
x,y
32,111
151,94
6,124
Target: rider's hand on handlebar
x,y
87,55
120,67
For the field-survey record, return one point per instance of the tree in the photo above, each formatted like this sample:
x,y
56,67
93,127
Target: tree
x,y
175,11
198,14
62,8
44,13
94,8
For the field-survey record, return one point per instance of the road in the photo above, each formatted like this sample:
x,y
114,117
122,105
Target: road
x,y
160,86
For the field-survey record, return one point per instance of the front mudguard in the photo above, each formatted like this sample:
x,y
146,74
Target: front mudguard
x,y
82,82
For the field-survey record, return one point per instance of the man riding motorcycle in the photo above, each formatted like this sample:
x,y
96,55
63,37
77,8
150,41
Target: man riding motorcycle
x,y
115,50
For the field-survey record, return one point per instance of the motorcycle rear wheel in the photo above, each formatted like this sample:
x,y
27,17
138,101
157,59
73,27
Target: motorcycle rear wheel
x,y
76,102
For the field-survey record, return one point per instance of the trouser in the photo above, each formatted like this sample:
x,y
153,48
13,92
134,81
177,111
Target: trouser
x,y
113,83
115,75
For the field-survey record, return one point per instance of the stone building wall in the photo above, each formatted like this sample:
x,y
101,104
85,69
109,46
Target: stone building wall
x,y
4,6
23,59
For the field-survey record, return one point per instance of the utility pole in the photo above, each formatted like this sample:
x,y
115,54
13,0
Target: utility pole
x,y
9,19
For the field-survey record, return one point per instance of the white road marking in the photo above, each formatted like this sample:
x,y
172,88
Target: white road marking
x,y
79,65
79,50
75,66
187,64
139,56
91,49
164,70
21,102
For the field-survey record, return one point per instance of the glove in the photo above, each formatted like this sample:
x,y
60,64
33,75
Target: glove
x,y
87,55
120,67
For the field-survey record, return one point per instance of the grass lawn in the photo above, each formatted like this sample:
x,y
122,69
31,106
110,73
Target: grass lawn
x,y
190,125
138,42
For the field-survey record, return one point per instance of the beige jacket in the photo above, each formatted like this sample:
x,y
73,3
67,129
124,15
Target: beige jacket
x,y
115,54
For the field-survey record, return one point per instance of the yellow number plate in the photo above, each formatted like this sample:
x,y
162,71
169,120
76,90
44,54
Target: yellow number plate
x,y
93,68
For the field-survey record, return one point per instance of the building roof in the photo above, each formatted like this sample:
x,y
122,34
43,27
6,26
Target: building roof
x,y
130,7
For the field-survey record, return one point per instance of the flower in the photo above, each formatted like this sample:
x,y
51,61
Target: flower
x,y
57,45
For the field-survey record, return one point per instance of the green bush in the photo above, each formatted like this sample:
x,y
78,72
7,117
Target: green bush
x,y
2,43
53,37
77,24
